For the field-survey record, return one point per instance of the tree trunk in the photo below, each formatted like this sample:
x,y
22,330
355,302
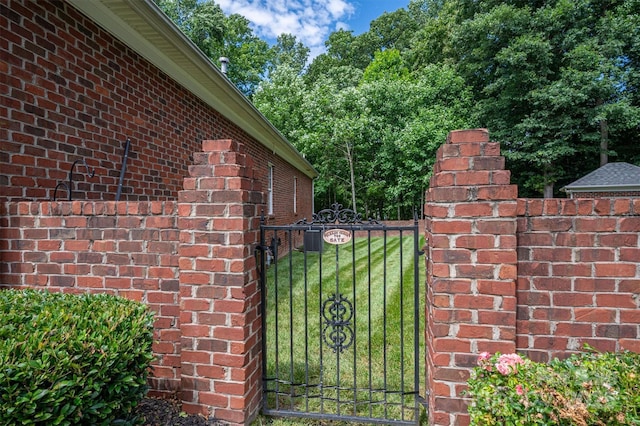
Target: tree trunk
x,y
548,186
604,142
352,176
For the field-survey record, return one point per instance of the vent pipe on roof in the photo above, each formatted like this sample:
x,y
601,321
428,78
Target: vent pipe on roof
x,y
224,64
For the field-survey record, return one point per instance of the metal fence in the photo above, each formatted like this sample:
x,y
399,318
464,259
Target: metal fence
x,y
341,320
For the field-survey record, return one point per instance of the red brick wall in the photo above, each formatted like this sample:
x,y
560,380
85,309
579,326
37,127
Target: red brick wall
x,y
183,238
129,249
219,223
192,261
471,267
70,91
578,276
538,277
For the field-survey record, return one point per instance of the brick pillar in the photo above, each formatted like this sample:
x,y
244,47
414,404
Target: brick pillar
x,y
471,267
220,299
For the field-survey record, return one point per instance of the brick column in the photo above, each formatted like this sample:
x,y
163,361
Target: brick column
x,y
471,267
220,322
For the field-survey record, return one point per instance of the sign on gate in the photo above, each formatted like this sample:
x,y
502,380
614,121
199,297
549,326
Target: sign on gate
x,y
337,236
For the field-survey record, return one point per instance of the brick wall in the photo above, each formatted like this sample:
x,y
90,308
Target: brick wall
x,y
578,276
129,249
183,238
220,294
538,277
471,267
191,260
71,91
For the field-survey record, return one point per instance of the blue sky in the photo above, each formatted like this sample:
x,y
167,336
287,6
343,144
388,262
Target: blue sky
x,y
368,10
311,21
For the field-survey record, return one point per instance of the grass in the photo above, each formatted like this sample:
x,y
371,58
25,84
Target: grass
x,y
371,374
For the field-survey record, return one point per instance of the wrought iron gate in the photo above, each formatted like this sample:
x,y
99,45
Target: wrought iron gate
x,y
341,320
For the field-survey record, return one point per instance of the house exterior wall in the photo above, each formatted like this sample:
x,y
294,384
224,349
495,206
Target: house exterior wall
x,y
70,91
532,276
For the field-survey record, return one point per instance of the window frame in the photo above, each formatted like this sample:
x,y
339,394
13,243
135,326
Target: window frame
x,y
295,195
270,183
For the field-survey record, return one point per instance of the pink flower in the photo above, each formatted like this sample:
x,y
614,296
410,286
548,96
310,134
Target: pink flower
x,y
510,359
483,361
503,369
519,390
508,363
484,357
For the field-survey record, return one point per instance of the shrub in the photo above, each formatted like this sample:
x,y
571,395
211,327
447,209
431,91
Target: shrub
x,y
72,359
585,389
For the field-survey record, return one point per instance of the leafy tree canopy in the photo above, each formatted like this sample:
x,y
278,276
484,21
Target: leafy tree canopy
x,y
556,82
218,35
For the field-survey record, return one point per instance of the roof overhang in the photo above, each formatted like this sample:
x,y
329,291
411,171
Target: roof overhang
x,y
142,26
601,188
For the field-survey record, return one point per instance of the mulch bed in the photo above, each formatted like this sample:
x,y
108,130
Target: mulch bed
x,y
163,412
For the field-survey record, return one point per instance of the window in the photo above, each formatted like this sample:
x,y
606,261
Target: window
x,y
270,191
295,195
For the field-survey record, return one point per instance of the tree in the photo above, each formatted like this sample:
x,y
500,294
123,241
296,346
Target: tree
x,y
409,121
392,30
431,43
217,35
387,64
247,53
203,22
343,50
281,99
290,52
335,123
373,143
552,81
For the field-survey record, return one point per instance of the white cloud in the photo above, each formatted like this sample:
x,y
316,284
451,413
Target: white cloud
x,y
311,21
341,26
338,8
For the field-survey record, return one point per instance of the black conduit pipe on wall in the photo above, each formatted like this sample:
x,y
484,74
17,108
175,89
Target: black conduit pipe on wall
x,y
123,169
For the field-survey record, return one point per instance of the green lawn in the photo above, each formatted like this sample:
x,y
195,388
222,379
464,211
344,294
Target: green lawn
x,y
375,278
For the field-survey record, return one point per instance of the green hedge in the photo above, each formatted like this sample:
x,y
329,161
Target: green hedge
x,y
72,359
586,389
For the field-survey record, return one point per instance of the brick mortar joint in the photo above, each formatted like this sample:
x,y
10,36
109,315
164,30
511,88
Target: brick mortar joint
x,y
587,207
78,208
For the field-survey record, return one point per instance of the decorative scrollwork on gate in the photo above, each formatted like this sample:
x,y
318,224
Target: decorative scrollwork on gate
x,y
338,329
336,215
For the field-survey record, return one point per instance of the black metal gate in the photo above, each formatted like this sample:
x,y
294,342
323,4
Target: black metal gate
x,y
341,320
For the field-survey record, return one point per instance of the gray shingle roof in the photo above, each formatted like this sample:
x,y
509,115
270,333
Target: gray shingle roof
x,y
611,176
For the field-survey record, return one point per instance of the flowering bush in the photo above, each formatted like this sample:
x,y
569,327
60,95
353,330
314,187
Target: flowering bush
x,y
586,389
